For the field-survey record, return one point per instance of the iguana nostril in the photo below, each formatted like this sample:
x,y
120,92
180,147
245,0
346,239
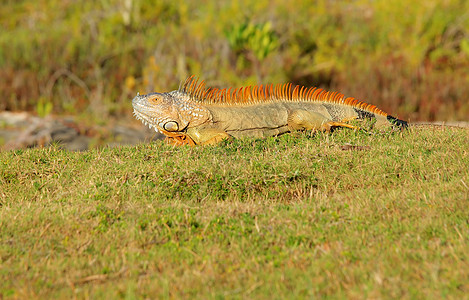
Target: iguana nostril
x,y
171,126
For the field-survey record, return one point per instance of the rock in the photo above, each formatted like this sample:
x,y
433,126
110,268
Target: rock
x,y
23,130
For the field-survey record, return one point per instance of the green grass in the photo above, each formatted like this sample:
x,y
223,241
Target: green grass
x,y
289,217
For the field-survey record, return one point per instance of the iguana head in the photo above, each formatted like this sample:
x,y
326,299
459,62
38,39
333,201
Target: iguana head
x,y
169,112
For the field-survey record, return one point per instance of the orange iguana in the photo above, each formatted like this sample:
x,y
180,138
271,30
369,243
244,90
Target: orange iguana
x,y
196,115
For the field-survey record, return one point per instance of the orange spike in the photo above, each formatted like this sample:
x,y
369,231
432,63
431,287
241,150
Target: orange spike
x,y
338,97
317,94
210,95
205,96
301,92
334,97
342,97
188,80
251,92
191,86
247,93
228,95
219,96
239,92
295,92
232,95
351,101
223,95
202,89
206,92
323,95
199,88
290,93
261,94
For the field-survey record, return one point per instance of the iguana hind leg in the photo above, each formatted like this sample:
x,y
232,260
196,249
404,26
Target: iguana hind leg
x,y
327,126
307,120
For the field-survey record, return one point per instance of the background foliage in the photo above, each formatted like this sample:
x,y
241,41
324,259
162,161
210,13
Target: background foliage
x,y
91,57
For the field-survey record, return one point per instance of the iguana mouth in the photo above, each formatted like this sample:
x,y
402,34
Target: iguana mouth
x,y
146,120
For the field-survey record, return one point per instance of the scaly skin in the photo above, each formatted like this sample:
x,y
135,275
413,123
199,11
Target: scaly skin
x,y
195,115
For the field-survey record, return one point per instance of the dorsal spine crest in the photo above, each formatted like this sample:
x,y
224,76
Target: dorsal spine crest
x,y
268,93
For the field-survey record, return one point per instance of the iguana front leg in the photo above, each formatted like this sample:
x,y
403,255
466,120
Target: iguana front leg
x,y
196,136
307,120
178,139
203,135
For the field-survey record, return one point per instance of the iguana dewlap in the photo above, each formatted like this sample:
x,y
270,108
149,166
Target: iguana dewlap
x,y
197,115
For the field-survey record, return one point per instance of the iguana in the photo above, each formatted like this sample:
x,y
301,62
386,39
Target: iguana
x,y
197,115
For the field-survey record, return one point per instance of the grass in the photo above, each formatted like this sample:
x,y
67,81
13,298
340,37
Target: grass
x,y
289,217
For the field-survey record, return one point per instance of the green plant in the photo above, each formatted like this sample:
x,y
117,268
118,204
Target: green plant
x,y
43,107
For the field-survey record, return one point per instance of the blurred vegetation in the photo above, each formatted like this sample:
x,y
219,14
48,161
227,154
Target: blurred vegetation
x,y
91,57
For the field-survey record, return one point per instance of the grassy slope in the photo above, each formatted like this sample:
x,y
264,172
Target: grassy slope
x,y
284,217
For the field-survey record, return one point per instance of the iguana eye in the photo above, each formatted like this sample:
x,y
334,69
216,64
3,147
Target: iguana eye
x,y
171,126
155,98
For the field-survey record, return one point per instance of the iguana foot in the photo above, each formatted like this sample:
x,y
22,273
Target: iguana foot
x,y
328,125
179,140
